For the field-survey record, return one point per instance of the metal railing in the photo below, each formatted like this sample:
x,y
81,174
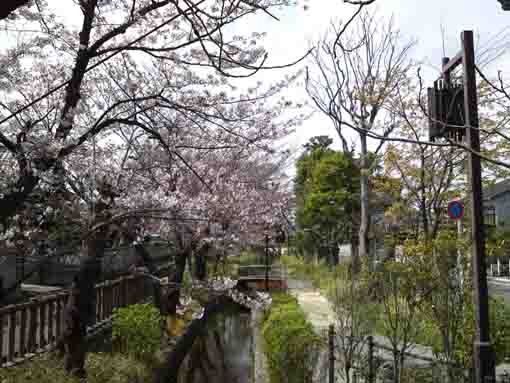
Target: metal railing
x,y
373,362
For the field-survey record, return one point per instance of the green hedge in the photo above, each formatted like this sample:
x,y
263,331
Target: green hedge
x,y
291,345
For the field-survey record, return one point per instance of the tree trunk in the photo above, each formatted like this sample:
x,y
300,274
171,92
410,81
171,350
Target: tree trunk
x,y
396,369
9,6
423,197
144,254
12,202
174,296
365,215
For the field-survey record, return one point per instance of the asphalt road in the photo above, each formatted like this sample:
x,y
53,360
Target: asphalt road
x,y
502,289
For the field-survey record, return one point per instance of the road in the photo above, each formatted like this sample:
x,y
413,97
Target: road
x,y
502,289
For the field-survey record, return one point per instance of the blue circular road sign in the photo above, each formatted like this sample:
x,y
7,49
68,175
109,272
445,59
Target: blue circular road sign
x,y
456,210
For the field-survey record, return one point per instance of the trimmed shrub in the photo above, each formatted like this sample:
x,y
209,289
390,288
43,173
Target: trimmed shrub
x,y
291,345
136,330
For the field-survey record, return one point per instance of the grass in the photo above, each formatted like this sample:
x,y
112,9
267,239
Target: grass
x,y
101,368
321,276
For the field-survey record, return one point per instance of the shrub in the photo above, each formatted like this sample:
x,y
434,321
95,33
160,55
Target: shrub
x,y
290,342
499,312
136,330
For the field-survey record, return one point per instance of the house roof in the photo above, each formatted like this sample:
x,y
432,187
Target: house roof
x,y
496,189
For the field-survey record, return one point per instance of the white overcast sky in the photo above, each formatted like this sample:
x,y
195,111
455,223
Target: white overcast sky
x,y
298,28
420,19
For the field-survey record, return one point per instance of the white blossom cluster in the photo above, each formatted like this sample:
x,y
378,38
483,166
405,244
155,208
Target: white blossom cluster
x,y
260,301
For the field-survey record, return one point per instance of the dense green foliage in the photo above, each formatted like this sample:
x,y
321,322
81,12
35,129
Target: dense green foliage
x,y
290,341
136,330
499,312
327,193
443,318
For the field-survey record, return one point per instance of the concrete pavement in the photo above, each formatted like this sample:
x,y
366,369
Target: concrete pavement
x,y
319,312
500,287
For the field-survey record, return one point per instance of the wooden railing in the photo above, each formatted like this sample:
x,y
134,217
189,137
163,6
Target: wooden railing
x,y
259,272
35,326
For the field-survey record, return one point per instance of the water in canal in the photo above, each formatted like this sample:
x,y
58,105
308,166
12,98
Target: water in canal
x,y
223,354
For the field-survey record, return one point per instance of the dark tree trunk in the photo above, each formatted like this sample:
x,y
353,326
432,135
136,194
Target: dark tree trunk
x,y
88,275
200,267
147,260
201,262
175,294
9,6
14,201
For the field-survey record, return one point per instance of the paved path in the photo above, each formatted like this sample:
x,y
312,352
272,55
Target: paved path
x,y
500,287
320,314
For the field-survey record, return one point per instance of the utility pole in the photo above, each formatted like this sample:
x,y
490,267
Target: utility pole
x,y
331,337
484,358
482,350
371,372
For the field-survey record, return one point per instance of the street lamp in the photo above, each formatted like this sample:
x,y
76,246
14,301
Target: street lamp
x,y
505,4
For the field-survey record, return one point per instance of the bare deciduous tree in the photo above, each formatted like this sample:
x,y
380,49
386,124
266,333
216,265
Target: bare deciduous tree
x,y
352,80
354,321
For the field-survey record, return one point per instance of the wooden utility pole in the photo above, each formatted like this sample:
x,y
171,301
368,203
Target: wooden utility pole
x,y
331,338
483,355
371,372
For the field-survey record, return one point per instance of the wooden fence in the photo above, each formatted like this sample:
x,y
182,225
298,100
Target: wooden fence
x,y
35,326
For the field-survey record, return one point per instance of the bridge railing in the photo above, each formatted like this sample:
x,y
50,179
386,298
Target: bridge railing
x,y
259,272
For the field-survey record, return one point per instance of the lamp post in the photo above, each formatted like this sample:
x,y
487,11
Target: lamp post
x,y
505,4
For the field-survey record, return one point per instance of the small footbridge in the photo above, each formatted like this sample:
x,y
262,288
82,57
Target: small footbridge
x,y
262,277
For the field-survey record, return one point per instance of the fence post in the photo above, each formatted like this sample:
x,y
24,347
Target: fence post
x,y
1,339
331,336
42,325
371,374
32,327
12,335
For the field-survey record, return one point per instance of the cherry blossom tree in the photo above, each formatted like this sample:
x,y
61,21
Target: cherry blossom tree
x,y
78,71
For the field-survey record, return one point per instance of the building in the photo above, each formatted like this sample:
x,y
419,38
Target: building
x,y
497,205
